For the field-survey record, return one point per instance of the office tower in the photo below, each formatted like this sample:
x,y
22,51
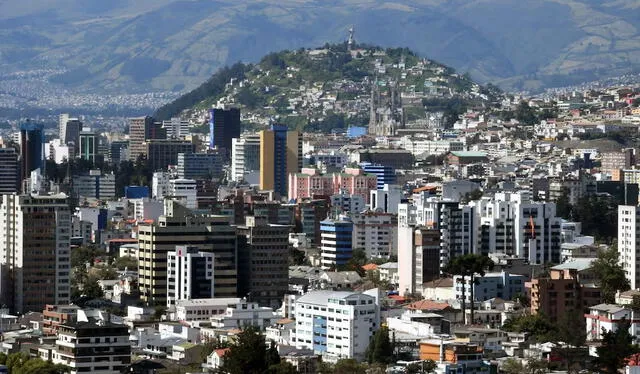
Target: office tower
x,y
179,226
69,129
92,345
263,261
224,125
95,185
336,324
62,126
189,274
31,149
245,159
140,130
118,151
8,171
384,174
418,257
628,250
346,203
375,233
34,251
201,165
280,155
336,243
309,214
87,147
176,128
162,153
160,185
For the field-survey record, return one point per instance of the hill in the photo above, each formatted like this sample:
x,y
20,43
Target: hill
x,y
331,88
138,45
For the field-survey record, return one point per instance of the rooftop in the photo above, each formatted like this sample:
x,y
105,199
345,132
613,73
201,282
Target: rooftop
x,y
578,264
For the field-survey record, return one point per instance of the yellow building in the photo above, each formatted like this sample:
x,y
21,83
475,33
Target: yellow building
x,y
280,155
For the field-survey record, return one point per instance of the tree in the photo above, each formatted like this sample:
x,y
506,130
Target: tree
x,y
92,290
247,355
610,275
616,347
272,357
536,366
380,349
563,205
512,366
349,366
537,325
426,366
467,266
282,368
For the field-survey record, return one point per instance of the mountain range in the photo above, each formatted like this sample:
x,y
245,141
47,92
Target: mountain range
x,y
141,45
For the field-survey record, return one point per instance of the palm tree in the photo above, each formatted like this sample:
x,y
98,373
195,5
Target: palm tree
x,y
467,266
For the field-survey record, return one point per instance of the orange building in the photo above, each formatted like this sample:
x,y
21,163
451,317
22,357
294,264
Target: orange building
x,y
451,352
565,289
56,315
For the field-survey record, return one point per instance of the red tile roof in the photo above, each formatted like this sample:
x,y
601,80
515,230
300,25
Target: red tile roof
x,y
427,305
368,267
222,352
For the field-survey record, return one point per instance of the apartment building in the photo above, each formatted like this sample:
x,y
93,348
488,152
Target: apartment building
x,y
336,324
189,274
628,237
375,233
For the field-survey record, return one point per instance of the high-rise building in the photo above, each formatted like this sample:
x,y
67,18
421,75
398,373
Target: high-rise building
x,y
375,233
34,251
280,155
189,274
418,257
162,153
384,174
628,250
336,244
309,214
176,128
336,324
386,199
8,171
224,125
69,129
263,261
31,149
179,226
201,165
310,182
185,190
88,146
95,185
245,158
118,151
140,130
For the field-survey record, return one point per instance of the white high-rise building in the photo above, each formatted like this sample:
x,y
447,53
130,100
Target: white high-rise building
x,y
386,199
160,185
336,324
185,190
245,158
189,274
628,250
176,128
35,238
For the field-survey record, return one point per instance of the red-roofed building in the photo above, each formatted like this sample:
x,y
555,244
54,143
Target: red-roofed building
x,y
216,359
370,267
441,308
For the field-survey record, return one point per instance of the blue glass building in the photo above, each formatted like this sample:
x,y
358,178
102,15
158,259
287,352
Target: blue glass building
x,y
385,174
31,149
336,243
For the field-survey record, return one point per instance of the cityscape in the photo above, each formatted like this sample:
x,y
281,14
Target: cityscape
x,y
341,208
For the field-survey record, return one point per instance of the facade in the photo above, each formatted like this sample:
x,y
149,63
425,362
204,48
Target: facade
x,y
607,317
87,148
160,185
336,245
375,233
200,165
459,158
561,292
628,250
8,171
386,199
55,315
31,149
244,314
97,347
384,174
309,183
176,128
139,132
623,159
263,261
180,227
224,125
309,214
95,185
336,324
491,285
185,190
34,251
347,203
162,153
418,257
189,274
245,158
280,155
202,309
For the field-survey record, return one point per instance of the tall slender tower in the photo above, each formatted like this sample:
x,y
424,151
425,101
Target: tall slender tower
x,y
280,155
